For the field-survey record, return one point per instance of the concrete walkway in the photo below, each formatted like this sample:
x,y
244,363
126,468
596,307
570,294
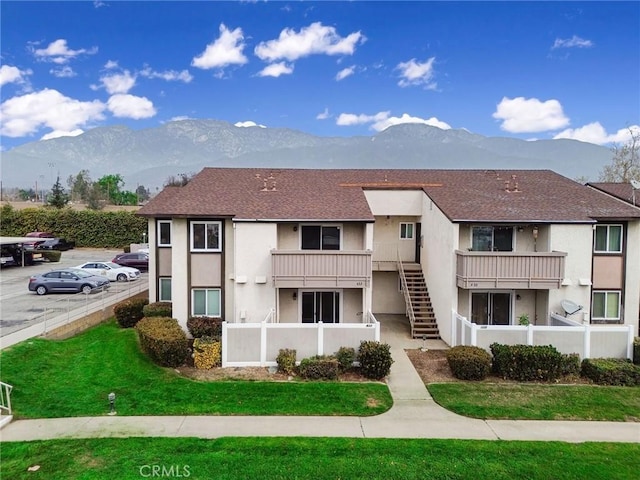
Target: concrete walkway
x,y
414,415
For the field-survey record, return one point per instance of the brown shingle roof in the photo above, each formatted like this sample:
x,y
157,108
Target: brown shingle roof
x,y
463,195
623,191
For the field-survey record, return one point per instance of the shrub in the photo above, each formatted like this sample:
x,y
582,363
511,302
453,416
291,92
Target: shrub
x,y
375,359
527,363
611,371
207,352
204,327
570,364
286,361
130,312
51,255
320,367
636,350
157,309
345,356
163,340
469,363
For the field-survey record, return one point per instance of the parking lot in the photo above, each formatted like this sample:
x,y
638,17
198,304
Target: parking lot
x,y
20,308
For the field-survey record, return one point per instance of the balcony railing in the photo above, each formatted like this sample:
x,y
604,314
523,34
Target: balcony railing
x,y
321,268
530,270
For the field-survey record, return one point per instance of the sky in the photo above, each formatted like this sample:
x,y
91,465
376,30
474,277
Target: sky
x,y
529,70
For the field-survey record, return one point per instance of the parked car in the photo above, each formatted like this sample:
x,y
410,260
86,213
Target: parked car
x,y
38,238
67,280
137,260
113,271
56,244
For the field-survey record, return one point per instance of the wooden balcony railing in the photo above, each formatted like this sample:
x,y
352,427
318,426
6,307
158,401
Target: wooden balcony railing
x,y
528,270
321,268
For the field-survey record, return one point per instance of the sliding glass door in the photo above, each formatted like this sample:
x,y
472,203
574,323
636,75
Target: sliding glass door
x,y
321,307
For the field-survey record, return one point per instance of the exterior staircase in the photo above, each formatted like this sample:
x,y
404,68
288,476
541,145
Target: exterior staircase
x,y
419,308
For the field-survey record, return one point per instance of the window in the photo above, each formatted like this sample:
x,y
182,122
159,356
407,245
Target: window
x,y
320,307
491,308
320,237
206,302
205,236
164,290
605,305
406,231
608,238
492,239
164,233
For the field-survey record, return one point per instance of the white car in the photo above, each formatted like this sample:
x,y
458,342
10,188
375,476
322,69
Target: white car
x,y
113,271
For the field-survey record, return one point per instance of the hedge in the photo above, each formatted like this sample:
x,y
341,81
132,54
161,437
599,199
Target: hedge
x,y
88,228
469,363
204,327
158,309
527,362
129,312
163,340
319,367
611,371
375,359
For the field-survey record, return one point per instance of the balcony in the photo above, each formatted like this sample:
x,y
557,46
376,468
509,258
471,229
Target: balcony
x,y
525,270
321,268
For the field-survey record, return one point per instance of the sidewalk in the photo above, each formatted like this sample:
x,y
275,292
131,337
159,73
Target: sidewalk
x,y
414,415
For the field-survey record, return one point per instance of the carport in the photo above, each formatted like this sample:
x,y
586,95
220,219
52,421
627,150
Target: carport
x,y
13,247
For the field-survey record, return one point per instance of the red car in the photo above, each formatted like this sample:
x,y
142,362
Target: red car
x,y
137,260
38,237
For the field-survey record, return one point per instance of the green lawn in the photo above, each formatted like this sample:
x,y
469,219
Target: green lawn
x,y
73,378
318,459
539,402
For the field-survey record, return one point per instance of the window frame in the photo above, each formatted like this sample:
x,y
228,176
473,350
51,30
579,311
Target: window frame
x,y
159,235
404,236
206,290
606,294
321,226
608,226
160,281
217,223
493,237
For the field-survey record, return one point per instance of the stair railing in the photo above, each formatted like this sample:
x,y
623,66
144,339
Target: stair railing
x,y
407,297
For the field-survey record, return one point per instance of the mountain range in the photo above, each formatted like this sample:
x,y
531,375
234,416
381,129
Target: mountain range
x,y
148,157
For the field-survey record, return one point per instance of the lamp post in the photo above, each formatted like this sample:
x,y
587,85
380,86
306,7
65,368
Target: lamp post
x,y
112,403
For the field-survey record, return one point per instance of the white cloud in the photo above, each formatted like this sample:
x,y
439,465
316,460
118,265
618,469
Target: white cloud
x,y
314,39
60,133
58,52
345,72
63,72
111,64
168,75
9,74
323,115
275,70
118,82
595,133
573,42
99,4
520,115
130,106
416,73
382,120
248,123
26,114
179,118
226,50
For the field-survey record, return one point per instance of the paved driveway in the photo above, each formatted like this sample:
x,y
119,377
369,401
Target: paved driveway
x,y
20,308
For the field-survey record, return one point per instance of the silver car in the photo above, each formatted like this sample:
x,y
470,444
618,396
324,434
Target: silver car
x,y
67,280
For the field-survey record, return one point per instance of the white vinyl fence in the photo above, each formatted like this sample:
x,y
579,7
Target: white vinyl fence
x,y
258,344
588,341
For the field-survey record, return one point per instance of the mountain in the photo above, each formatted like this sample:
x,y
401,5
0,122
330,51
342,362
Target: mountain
x,y
147,157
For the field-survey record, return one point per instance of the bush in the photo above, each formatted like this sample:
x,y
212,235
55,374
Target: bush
x,y
320,367
611,371
636,350
375,359
51,255
163,340
345,356
207,352
286,361
204,327
570,364
130,312
469,363
526,363
157,309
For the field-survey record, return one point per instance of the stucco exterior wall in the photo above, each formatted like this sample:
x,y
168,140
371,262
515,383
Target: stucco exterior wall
x,y
351,306
632,285
164,261
253,293
438,262
153,252
395,202
387,242
227,281
180,280
387,298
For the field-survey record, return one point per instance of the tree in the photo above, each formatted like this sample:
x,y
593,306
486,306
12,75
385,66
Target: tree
x,y
142,193
95,197
111,188
26,195
58,197
79,185
179,180
625,164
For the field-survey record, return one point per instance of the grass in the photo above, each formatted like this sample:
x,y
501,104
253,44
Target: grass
x,y
538,402
73,378
318,459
